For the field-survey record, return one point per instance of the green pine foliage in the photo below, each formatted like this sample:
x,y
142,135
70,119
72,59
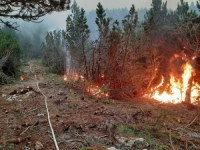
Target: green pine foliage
x,y
77,38
53,52
9,56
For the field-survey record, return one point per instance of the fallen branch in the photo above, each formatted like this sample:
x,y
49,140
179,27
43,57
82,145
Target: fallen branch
x,y
15,140
192,121
25,130
36,123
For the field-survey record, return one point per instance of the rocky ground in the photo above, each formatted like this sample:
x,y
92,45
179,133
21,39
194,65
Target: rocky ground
x,y
81,121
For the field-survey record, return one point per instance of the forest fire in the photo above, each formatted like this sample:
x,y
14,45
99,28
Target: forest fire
x,y
178,86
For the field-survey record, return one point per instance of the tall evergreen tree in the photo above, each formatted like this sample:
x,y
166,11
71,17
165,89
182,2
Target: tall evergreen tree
x,y
84,35
103,30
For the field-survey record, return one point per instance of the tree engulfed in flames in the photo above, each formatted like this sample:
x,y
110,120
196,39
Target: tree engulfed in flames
x,y
178,87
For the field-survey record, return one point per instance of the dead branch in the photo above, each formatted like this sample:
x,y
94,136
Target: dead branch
x,y
192,121
25,130
16,140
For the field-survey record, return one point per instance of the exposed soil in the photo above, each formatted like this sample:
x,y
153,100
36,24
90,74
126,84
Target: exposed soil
x,y
81,120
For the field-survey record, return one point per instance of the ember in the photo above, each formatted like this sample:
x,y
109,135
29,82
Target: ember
x,y
73,77
97,91
65,77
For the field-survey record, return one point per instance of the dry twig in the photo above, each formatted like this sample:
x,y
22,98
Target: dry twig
x,y
192,121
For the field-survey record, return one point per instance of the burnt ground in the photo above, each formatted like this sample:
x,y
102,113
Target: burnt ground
x,y
80,120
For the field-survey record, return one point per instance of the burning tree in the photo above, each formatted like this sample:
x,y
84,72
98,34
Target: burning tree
x,y
180,33
158,58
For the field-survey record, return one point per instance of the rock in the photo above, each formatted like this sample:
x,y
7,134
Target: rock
x,y
112,148
61,92
28,94
129,142
12,98
42,85
3,95
39,115
27,148
38,145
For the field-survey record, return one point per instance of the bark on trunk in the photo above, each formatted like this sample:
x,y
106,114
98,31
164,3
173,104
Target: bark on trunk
x,y
189,90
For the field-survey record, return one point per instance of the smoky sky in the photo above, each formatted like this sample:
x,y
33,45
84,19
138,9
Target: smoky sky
x,y
92,4
57,20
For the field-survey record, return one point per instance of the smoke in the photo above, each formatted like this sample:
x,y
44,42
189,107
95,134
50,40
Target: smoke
x,y
173,3
110,4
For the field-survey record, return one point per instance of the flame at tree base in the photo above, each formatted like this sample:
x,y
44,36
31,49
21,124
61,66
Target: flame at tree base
x,y
177,86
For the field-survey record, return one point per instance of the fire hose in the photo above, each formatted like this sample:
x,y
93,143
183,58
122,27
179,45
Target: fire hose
x,y
46,105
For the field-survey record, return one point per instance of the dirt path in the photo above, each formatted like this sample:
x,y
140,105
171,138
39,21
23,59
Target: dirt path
x,y
80,120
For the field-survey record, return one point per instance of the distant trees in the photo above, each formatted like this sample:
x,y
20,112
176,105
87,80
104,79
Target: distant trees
x,y
53,51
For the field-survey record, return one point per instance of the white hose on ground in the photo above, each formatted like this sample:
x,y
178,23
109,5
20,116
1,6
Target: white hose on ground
x,y
52,131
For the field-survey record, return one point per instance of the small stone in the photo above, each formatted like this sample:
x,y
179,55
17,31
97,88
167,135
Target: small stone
x,y
19,127
3,95
40,115
38,145
112,148
60,92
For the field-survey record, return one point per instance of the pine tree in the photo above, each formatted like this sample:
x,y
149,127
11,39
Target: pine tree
x,y
84,35
103,29
129,26
77,35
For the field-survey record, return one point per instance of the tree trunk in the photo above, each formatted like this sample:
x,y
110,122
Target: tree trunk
x,y
85,61
189,90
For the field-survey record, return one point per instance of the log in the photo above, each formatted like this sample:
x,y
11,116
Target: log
x,y
15,140
24,91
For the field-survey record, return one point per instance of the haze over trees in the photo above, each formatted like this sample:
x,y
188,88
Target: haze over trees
x,y
16,46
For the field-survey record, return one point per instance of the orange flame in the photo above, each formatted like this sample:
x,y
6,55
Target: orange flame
x,y
97,91
65,77
178,87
